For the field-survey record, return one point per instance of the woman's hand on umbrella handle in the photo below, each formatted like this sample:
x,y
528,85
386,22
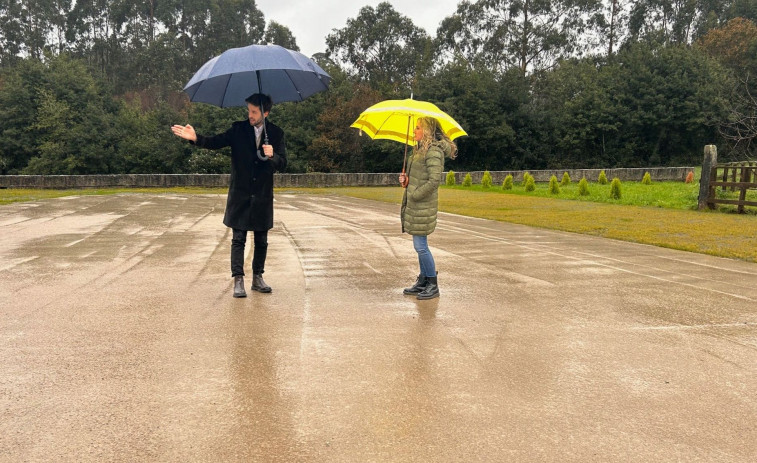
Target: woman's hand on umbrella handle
x,y
404,180
186,132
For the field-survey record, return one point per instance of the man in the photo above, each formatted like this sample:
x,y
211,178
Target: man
x,y
257,150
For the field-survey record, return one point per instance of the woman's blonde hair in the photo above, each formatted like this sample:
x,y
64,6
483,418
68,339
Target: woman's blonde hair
x,y
433,134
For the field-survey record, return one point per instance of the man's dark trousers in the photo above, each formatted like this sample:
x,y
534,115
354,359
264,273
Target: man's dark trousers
x,y
260,249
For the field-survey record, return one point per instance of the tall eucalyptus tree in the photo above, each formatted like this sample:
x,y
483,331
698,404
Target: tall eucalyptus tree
x,y
611,23
279,34
92,34
529,35
232,23
382,47
11,32
664,21
32,27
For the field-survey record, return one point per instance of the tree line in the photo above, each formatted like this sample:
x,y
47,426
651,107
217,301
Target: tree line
x,y
92,87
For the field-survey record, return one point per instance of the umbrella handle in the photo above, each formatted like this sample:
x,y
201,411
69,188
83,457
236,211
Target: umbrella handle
x,y
262,111
260,155
407,140
263,157
404,161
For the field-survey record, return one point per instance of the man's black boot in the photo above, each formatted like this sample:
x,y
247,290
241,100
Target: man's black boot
x,y
419,285
259,285
431,290
239,287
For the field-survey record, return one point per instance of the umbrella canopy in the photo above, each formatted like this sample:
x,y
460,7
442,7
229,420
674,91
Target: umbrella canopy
x,y
394,120
235,74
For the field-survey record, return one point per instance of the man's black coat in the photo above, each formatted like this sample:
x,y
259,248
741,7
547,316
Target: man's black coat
x,y
249,205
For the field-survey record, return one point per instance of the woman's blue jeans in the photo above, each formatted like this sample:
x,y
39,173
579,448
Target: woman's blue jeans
x,y
425,259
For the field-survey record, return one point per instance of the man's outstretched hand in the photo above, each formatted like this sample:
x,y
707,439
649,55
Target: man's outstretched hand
x,y
186,132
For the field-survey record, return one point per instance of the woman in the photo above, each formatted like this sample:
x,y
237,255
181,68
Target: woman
x,y
421,199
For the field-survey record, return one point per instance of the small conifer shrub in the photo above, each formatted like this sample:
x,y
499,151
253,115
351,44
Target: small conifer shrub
x,y
486,180
530,185
565,179
615,188
450,180
507,184
647,179
602,180
690,177
467,181
583,187
554,187
526,175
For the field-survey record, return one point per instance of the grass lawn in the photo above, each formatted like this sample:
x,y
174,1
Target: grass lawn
x,y
672,195
661,214
678,227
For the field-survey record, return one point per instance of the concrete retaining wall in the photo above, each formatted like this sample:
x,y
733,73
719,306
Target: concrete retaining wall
x,y
109,181
315,180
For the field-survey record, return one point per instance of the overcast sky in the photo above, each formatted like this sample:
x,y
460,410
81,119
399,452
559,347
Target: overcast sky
x,y
312,20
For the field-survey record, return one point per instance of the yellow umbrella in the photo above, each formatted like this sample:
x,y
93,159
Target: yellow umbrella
x,y
393,119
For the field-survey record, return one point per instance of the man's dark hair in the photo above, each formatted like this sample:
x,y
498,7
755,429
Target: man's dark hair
x,y
261,101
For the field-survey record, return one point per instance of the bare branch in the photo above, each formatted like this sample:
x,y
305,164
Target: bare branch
x,y
741,127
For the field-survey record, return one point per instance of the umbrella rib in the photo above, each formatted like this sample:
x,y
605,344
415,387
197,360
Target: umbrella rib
x,y
386,121
299,93
225,90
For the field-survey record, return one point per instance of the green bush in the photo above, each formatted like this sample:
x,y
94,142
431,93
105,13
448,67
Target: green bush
x,y
615,188
450,180
565,179
526,175
647,180
602,180
507,184
486,180
583,187
554,188
467,181
529,184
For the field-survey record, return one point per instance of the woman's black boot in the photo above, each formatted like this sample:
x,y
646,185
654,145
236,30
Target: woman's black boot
x,y
431,290
420,285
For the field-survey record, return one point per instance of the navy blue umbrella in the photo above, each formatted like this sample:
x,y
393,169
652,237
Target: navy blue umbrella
x,y
235,74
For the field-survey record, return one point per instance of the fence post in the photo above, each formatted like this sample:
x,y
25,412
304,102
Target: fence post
x,y
710,160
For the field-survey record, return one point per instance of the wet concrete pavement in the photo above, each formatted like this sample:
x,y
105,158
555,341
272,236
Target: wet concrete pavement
x,y
120,341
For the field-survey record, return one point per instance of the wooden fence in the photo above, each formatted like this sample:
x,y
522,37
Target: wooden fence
x,y
732,176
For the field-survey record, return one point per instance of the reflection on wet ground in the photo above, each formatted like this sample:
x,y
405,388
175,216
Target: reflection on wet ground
x,y
120,340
